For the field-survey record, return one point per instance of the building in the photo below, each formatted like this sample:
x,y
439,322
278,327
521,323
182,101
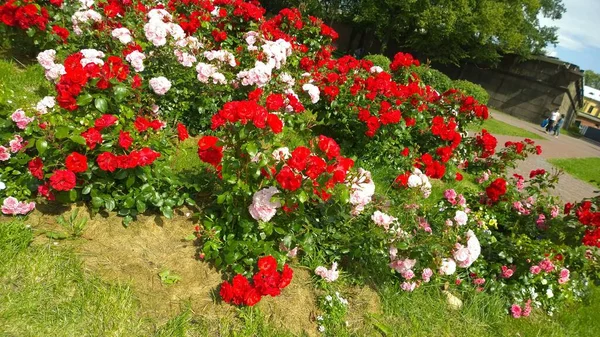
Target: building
x,y
589,115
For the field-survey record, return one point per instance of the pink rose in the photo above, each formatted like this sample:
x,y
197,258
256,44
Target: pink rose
x,y
515,311
426,274
535,270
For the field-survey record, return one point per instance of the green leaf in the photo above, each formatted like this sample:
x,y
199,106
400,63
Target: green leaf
x,y
167,211
78,139
86,190
130,181
109,204
190,237
140,206
84,99
167,278
121,92
61,132
41,146
73,195
101,104
252,149
129,202
97,202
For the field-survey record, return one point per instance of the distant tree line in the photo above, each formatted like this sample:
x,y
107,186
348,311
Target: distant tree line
x,y
445,31
592,79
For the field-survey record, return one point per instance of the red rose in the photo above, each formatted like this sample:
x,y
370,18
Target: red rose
x,y
315,166
275,123
226,292
107,162
61,32
105,121
63,180
182,132
251,297
405,152
267,263
568,207
459,176
299,158
329,147
496,189
36,168
137,82
141,124
286,276
538,150
92,137
275,102
125,139
209,152
147,156
76,162
288,180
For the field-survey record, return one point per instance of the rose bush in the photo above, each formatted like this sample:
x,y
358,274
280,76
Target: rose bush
x,y
291,135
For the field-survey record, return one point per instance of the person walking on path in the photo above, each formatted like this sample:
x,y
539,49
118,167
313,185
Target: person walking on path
x,y
559,125
552,121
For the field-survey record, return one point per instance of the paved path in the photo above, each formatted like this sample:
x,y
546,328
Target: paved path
x,y
569,188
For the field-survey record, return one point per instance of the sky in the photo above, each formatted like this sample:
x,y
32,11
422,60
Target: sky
x,y
578,34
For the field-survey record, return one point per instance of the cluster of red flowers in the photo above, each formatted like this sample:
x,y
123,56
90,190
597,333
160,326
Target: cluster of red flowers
x,y
26,16
590,218
209,152
267,281
537,172
402,60
487,142
77,76
496,190
244,112
303,161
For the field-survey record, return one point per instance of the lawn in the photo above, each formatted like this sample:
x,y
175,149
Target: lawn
x,y
497,127
585,169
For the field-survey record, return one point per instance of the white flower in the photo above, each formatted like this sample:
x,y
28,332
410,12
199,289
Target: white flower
x,y
136,58
375,69
160,85
123,34
262,208
46,103
448,267
185,59
2,186
362,190
321,328
382,219
414,181
313,91
330,275
281,154
549,293
461,218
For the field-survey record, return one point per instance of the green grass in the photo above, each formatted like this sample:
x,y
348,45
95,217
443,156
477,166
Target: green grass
x,y
20,86
497,127
585,169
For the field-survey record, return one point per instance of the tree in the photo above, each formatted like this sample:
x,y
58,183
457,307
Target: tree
x,y
451,31
592,79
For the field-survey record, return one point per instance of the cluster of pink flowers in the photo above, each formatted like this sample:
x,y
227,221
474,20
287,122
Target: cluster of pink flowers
x,y
160,85
383,220
454,198
518,311
52,70
262,208
362,190
545,265
12,206
507,272
466,255
21,119
329,275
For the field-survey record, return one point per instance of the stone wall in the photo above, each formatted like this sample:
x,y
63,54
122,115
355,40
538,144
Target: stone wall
x,y
528,90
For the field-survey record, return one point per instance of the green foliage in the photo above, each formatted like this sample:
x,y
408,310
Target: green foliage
x,y
592,79
433,77
166,277
452,31
74,224
379,60
472,89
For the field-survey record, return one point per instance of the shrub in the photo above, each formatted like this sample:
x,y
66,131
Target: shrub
x,y
379,60
435,78
472,89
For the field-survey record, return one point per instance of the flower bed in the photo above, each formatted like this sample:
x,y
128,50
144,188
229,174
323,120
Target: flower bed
x,y
290,135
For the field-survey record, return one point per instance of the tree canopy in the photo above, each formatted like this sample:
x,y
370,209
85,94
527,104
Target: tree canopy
x,y
592,79
446,31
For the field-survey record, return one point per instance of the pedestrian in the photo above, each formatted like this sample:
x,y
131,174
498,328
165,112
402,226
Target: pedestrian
x,y
559,125
552,121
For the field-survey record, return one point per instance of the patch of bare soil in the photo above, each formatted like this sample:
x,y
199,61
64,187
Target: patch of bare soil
x,y
137,254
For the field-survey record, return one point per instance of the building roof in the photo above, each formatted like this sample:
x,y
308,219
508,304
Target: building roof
x,y
591,93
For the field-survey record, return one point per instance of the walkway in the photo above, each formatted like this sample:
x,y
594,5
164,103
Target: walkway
x,y
569,188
